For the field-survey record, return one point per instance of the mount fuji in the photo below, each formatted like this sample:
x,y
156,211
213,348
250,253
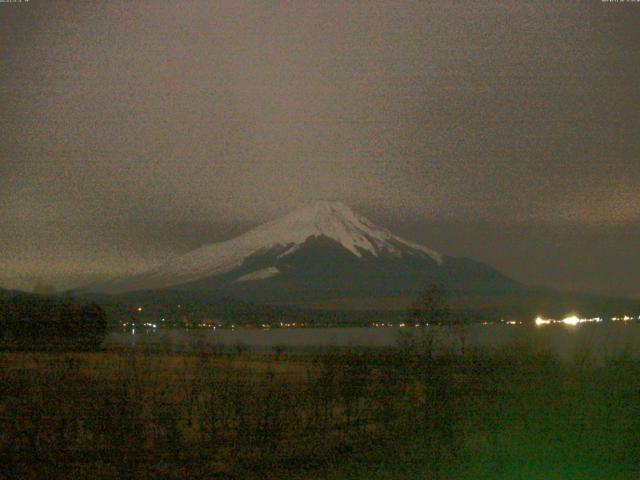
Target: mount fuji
x,y
323,254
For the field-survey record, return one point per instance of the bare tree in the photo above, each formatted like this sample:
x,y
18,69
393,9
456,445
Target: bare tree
x,y
432,307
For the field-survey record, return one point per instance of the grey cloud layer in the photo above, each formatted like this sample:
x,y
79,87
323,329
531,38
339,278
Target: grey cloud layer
x,y
125,116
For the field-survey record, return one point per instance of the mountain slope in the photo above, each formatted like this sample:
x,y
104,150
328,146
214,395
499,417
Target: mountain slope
x,y
315,254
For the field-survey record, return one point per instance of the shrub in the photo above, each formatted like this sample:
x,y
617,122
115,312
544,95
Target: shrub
x,y
31,322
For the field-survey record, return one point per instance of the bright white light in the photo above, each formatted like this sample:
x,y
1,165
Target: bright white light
x,y
572,320
541,321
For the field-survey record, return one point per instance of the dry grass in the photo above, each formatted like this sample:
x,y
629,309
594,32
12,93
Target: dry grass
x,y
229,415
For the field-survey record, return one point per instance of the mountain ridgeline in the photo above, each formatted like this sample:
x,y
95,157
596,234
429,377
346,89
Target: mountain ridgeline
x,y
327,258
319,256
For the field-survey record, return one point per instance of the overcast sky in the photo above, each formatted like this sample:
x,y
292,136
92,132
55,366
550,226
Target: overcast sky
x,y
503,131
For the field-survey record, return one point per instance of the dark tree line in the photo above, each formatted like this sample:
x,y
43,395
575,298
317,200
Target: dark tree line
x,y
432,306
32,322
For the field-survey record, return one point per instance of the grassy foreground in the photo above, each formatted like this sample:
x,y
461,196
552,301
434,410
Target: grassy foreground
x,y
343,414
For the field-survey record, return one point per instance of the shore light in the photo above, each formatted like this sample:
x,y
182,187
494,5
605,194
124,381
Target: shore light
x,y
572,320
542,321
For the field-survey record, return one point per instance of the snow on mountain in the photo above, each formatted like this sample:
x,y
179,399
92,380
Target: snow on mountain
x,y
334,220
259,274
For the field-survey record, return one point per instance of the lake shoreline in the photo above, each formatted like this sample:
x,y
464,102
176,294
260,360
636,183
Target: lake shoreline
x,y
565,340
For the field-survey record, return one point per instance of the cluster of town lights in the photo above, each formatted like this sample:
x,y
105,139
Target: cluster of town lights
x,y
570,320
575,320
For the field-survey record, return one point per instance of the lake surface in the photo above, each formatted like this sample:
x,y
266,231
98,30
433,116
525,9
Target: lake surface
x,y
600,339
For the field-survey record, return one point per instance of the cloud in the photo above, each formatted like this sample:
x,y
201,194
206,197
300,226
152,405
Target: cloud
x,y
122,117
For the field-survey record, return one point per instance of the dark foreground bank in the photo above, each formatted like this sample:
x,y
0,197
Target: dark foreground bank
x,y
514,413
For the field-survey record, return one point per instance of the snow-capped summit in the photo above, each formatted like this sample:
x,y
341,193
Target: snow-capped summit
x,y
324,219
321,251
336,221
